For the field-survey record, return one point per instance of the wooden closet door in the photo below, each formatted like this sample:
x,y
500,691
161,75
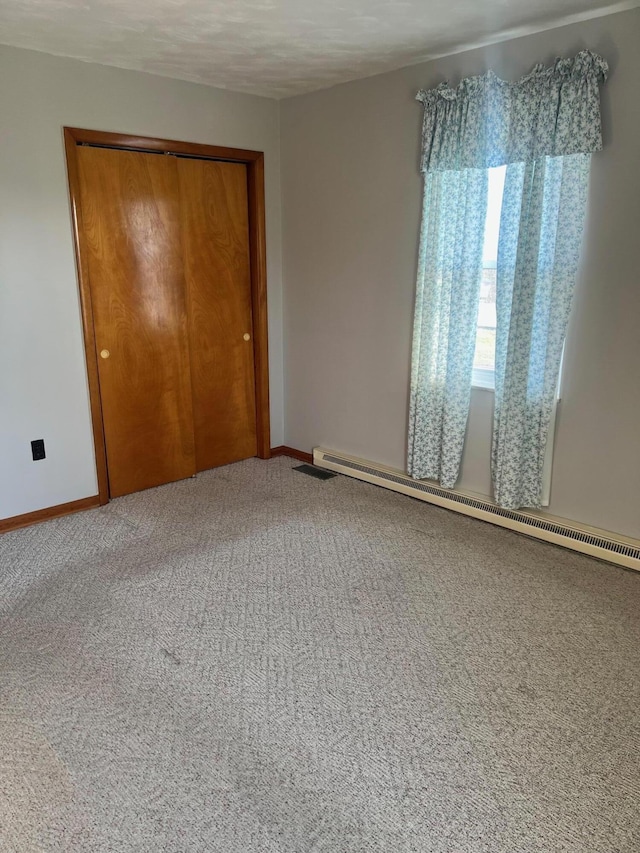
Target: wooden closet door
x,y
131,222
215,233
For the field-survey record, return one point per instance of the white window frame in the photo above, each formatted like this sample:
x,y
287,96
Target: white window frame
x,y
484,378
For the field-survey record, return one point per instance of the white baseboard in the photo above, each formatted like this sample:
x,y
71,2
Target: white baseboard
x,y
602,544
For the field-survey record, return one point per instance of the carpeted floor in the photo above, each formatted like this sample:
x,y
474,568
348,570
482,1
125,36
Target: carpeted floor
x,y
254,661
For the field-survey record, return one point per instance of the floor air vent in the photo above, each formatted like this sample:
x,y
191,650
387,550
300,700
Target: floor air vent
x,y
312,471
596,543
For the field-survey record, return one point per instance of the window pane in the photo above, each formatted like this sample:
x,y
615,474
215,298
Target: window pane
x,y
492,222
485,349
487,307
484,358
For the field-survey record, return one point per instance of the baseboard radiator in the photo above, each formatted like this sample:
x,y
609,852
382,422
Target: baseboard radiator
x,y
588,540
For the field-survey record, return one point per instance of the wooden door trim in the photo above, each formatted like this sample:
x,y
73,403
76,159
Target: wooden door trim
x,y
254,161
284,450
258,255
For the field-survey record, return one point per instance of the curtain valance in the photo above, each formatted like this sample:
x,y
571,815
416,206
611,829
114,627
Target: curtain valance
x,y
486,121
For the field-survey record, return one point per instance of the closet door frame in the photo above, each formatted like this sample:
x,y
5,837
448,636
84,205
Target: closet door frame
x,y
254,161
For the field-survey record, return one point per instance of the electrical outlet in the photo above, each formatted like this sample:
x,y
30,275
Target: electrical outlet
x,y
37,449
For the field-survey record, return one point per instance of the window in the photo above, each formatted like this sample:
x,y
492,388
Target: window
x,y
544,190
484,358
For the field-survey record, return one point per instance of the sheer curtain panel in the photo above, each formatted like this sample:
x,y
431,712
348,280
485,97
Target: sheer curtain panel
x,y
448,292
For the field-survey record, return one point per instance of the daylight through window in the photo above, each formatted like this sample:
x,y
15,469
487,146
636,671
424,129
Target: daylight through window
x,y
484,358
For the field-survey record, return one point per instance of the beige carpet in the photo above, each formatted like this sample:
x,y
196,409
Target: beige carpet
x,y
254,661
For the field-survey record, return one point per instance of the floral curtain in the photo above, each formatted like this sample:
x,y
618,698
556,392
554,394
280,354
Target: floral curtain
x,y
544,127
448,292
486,121
543,212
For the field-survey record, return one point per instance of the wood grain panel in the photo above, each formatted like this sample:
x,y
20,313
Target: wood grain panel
x,y
215,233
131,225
73,173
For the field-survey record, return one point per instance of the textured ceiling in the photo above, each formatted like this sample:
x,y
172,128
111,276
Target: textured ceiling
x,y
273,47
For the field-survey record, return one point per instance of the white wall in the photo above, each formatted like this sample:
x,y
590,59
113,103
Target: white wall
x,y
351,207
43,388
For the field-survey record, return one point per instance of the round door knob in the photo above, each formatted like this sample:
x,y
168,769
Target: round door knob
x,y
104,353
247,336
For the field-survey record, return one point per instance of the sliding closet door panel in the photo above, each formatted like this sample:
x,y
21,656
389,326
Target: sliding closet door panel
x,y
131,220
216,248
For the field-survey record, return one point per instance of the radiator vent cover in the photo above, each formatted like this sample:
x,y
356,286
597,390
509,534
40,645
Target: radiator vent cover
x,y
584,540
